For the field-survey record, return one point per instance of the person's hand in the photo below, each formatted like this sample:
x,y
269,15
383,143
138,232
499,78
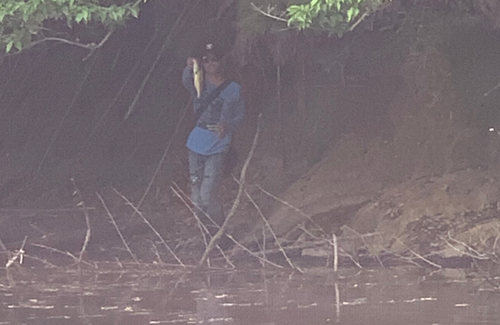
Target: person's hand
x,y
219,128
190,62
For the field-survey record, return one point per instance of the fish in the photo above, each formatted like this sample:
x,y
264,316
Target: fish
x,y
198,77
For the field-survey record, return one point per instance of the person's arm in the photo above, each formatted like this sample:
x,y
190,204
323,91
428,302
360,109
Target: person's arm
x,y
233,110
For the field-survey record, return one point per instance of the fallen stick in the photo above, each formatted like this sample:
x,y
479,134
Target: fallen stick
x,y
203,229
41,260
117,228
18,255
418,255
236,202
253,254
302,213
333,244
364,242
335,254
271,231
477,254
76,192
127,201
68,254
2,246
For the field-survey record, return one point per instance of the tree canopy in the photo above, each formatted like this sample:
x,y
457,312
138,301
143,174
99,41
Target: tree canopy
x,y
25,23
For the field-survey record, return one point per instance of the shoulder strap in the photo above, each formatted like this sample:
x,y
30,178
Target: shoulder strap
x,y
213,95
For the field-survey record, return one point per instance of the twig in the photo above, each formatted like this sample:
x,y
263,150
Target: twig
x,y
68,254
127,201
362,236
76,192
292,207
177,25
2,246
363,16
268,14
117,229
91,46
253,254
155,250
476,254
18,255
122,88
203,229
335,254
41,260
236,202
337,301
271,231
331,243
492,90
181,197
418,255
66,113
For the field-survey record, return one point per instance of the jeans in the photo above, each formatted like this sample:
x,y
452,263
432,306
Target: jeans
x,y
206,174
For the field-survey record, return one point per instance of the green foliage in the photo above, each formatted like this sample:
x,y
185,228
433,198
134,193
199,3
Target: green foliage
x,y
22,21
337,16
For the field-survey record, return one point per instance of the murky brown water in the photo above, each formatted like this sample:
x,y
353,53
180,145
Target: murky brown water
x,y
133,296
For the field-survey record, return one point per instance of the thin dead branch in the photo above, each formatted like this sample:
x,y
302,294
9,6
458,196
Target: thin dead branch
x,y
492,90
276,240
268,13
253,254
70,107
65,253
331,243
117,228
203,229
362,236
19,254
363,16
475,254
292,207
91,46
122,87
164,157
41,260
2,246
79,196
418,255
236,202
127,201
335,254
177,26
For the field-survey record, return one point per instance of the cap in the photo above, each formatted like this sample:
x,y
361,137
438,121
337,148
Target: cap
x,y
212,53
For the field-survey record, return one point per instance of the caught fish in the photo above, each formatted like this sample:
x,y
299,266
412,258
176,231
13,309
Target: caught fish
x,y
198,77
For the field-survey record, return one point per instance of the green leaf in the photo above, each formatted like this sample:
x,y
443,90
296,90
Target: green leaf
x,y
134,11
8,47
18,45
79,17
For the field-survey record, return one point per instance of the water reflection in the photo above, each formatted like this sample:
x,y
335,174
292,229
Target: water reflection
x,y
109,295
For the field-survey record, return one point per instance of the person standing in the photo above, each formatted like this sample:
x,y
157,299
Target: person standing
x,y
219,110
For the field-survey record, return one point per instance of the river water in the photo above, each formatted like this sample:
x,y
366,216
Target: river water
x,y
110,294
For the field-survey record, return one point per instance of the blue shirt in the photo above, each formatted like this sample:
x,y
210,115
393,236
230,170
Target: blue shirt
x,y
228,107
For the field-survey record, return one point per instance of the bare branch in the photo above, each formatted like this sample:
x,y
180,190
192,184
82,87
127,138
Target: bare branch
x,y
236,202
117,229
146,221
272,232
268,13
418,255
